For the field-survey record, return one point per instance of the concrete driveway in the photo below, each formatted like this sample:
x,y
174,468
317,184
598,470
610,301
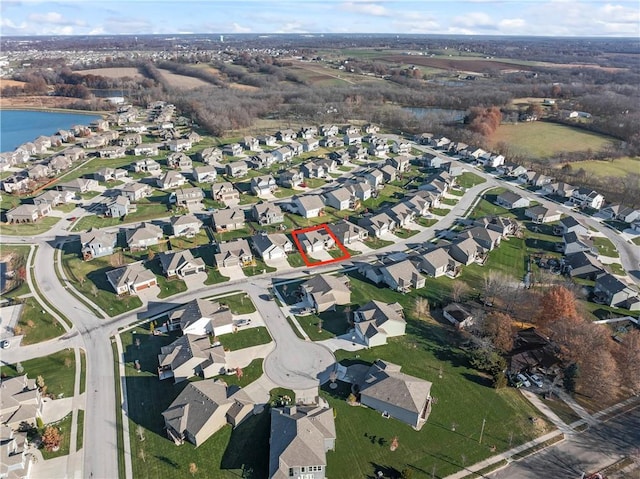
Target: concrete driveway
x,y
194,281
232,272
280,263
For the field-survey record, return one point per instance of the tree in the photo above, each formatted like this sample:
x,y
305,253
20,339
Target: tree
x,y
394,443
557,303
421,307
40,382
628,359
150,255
140,432
19,368
152,327
500,380
239,373
193,468
94,290
498,326
406,473
494,284
459,291
142,455
51,438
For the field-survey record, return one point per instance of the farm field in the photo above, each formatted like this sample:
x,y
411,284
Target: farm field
x,y
182,82
618,168
541,139
113,72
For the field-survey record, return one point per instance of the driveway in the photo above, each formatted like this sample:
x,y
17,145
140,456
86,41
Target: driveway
x,y
279,264
194,281
232,272
243,357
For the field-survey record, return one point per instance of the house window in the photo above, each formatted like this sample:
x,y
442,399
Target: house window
x,y
291,472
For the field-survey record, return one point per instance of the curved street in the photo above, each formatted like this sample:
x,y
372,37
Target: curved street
x,y
293,363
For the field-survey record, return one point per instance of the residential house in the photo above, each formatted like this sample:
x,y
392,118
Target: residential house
x,y
458,315
118,207
349,130
135,191
348,233
191,355
53,198
187,197
316,240
131,279
511,170
582,265
395,394
237,169
143,236
16,183
487,238
508,199
542,214
268,140
312,169
21,403
251,143
179,161
378,148
399,163
146,149
620,213
587,198
267,213
558,189
574,243
401,214
201,316
389,173
79,185
181,144
360,189
271,247
283,154
130,139
331,142
613,292
307,132
263,185
357,152
59,164
15,455
110,174
441,142
228,219
180,264
96,244
204,174
569,224
436,263
263,160
309,206
423,138
401,147
352,139
466,251
38,172
235,253
418,202
402,276
150,166
112,152
375,178
299,440
170,180
491,160
203,408
432,161
210,155
233,149
323,292
225,193
328,130
290,179
185,225
28,213
310,145
340,199
286,135
535,179
378,224
376,321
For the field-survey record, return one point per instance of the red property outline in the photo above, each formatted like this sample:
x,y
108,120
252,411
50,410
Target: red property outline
x,y
306,259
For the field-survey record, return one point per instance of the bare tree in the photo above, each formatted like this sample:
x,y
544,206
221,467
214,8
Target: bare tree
x,y
494,285
459,291
142,455
140,432
193,468
421,307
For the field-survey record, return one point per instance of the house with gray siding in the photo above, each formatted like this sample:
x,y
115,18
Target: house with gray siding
x,y
96,243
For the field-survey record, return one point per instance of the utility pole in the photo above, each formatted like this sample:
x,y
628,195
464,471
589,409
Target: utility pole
x,y
482,430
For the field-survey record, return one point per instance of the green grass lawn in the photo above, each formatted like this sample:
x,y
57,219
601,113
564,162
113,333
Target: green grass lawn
x,y
486,208
426,222
295,260
440,211
144,212
449,201
605,247
224,455
311,325
541,139
283,192
469,180
230,235
168,287
259,268
245,338
37,324
405,233
238,303
83,371
619,167
376,243
201,239
30,229
80,436
89,278
616,268
58,371
64,426
213,275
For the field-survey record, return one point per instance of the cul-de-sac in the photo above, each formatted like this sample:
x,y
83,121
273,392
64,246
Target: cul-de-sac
x,y
318,256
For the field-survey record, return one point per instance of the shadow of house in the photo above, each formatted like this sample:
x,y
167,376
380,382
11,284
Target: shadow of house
x,y
248,447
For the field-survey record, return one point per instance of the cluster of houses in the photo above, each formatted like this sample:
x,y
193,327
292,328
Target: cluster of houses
x,y
20,409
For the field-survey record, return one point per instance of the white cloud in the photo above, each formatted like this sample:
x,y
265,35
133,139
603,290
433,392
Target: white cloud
x,y
292,27
54,18
374,9
474,20
509,25
237,28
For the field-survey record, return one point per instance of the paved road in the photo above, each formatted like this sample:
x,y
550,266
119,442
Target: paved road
x,y
594,449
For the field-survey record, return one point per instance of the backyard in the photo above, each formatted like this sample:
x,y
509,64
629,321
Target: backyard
x,y
58,371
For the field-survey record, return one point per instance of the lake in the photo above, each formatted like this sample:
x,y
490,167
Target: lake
x,y
20,126
443,114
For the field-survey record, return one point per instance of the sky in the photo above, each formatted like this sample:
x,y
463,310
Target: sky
x,y
612,18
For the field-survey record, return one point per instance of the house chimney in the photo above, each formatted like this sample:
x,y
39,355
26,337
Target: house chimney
x,y
291,410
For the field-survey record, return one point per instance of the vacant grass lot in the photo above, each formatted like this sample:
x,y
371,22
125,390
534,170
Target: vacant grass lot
x,y
469,180
58,371
37,324
541,139
620,167
90,279
245,338
224,455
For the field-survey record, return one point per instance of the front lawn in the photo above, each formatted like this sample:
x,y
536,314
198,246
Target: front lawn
x,y
144,212
238,303
605,247
36,324
64,426
30,229
259,268
469,180
426,222
405,233
168,287
295,260
58,371
376,243
245,338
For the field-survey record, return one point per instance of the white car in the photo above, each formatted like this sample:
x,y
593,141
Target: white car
x,y
523,379
5,344
537,380
243,322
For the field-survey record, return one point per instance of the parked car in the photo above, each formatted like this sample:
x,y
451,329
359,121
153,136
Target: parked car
x,y
523,379
243,322
5,344
535,379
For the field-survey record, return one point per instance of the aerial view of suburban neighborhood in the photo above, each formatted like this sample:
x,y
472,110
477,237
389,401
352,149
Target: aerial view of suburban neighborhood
x,y
340,239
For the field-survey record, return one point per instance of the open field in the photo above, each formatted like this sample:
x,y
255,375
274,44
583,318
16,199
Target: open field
x,y
473,64
4,82
541,139
113,72
619,168
182,82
